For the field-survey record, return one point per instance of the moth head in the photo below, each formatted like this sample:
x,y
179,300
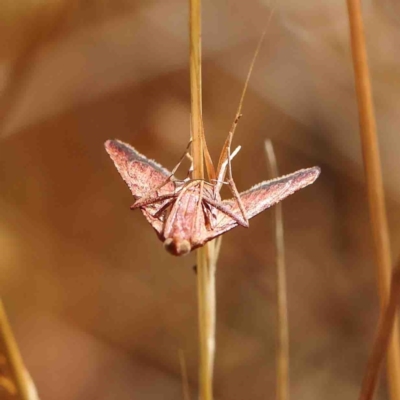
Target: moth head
x,y
177,247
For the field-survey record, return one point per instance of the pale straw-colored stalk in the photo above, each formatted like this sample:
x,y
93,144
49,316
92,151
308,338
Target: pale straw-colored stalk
x,y
376,197
282,356
206,255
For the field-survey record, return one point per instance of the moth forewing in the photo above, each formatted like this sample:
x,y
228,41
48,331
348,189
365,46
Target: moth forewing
x,y
144,178
141,174
268,193
262,196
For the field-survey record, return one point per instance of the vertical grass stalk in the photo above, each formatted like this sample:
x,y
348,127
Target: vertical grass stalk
x,y
195,88
282,357
207,255
382,338
373,173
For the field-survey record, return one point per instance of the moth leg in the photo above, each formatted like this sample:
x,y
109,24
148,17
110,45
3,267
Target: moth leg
x,y
151,200
209,215
163,208
219,206
226,161
232,184
219,181
236,195
223,158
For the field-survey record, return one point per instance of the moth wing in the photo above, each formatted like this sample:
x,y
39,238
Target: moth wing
x,y
261,197
141,174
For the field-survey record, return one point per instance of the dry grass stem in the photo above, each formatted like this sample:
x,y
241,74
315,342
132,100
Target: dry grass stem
x,y
282,374
206,258
206,266
376,196
196,89
22,380
381,342
207,255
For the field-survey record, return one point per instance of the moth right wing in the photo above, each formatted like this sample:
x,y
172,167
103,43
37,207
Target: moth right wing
x,y
261,197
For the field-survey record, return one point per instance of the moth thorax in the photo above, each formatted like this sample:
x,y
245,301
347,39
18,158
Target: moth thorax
x,y
177,247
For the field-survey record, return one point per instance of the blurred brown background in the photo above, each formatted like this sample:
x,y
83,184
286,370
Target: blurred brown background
x,y
99,308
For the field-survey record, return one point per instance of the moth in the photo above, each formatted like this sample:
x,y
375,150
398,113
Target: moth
x,y
188,213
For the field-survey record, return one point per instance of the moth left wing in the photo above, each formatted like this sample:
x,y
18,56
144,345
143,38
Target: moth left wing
x,y
140,173
142,176
261,197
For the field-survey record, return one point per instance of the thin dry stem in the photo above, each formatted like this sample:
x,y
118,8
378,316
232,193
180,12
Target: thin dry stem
x,y
22,380
382,338
206,256
206,266
376,196
185,380
195,88
282,373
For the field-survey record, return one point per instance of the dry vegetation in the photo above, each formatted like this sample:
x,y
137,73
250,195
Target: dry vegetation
x,y
99,309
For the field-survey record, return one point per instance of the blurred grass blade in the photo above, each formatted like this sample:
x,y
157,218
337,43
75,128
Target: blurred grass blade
x,y
373,173
185,379
282,373
381,342
21,378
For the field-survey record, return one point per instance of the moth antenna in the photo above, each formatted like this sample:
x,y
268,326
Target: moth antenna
x,y
185,154
224,152
253,61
